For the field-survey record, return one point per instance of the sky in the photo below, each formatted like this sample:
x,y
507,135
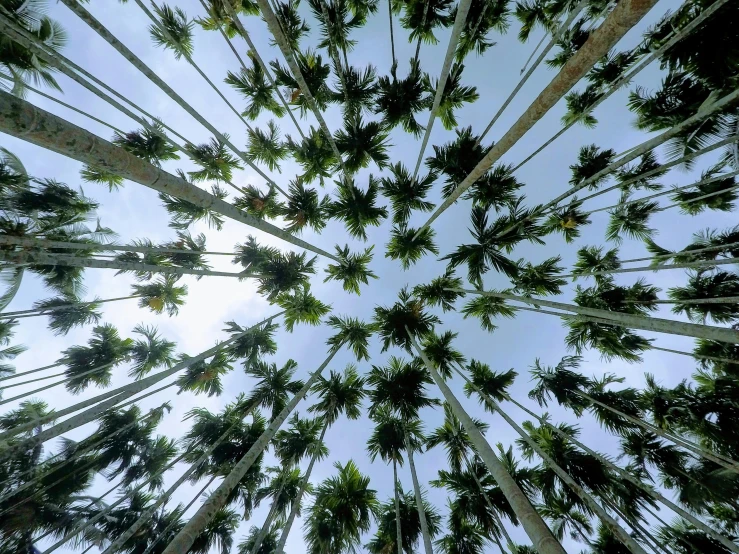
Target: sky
x,y
135,212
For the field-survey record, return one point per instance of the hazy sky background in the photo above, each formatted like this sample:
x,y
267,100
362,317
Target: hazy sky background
x,y
135,212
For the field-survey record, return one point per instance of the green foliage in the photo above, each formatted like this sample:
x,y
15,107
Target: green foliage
x,y
352,270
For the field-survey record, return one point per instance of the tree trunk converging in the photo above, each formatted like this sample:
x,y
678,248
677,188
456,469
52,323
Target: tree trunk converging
x,y
20,119
624,16
187,535
541,536
396,485
419,499
296,503
267,521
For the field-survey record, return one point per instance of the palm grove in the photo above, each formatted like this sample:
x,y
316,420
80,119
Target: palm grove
x,y
672,488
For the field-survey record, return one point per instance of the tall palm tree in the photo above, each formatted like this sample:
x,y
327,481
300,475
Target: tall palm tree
x,y
357,208
204,377
352,270
283,489
384,540
406,193
398,100
343,509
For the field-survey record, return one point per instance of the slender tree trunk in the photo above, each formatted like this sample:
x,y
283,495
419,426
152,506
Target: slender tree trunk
x,y
93,370
274,27
163,534
106,400
672,191
296,503
423,24
637,528
33,242
394,65
184,539
42,258
534,51
555,37
267,522
398,535
701,263
419,498
463,7
23,374
541,536
21,119
511,545
624,474
237,21
35,312
654,324
630,76
626,14
52,385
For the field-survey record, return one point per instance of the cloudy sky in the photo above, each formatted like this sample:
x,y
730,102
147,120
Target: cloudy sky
x,y
135,212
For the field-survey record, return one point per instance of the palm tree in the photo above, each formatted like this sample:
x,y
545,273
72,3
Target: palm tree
x,y
258,88
77,315
283,489
718,284
205,377
406,193
273,386
409,245
405,316
384,540
398,100
216,161
304,208
441,291
454,95
356,91
93,364
266,147
357,208
342,511
259,204
269,542
465,537
352,270
315,73
148,144
315,155
161,295
362,143
483,17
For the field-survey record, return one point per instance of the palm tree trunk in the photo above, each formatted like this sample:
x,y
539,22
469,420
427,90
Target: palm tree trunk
x,y
695,356
42,258
47,387
296,503
683,265
332,50
423,22
163,534
619,532
187,535
511,545
33,242
195,66
655,324
541,536
117,544
626,14
106,400
419,498
674,190
21,119
61,307
630,76
555,37
394,65
716,458
534,51
237,21
274,27
23,374
101,30
267,522
625,474
463,7
396,484
87,523
637,528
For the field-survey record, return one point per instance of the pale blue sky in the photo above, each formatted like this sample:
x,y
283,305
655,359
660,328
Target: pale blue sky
x,y
135,212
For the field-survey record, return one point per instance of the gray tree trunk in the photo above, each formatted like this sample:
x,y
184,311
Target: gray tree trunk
x,y
106,400
20,119
655,324
185,538
419,498
268,521
541,536
463,7
626,14
296,503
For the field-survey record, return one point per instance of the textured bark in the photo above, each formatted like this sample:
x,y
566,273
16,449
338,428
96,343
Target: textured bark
x,y
655,324
555,37
21,119
419,499
624,16
296,503
41,258
459,22
398,530
274,28
107,400
541,536
185,538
